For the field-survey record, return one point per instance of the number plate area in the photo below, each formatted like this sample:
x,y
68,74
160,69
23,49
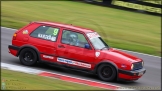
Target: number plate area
x,y
141,73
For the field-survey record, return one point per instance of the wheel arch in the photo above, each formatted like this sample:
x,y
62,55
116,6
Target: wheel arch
x,y
29,46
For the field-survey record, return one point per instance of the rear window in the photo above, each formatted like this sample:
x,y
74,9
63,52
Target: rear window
x,y
46,32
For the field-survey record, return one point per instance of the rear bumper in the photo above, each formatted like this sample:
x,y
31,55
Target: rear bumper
x,y
13,49
131,75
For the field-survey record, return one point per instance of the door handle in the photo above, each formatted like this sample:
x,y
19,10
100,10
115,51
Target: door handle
x,y
61,46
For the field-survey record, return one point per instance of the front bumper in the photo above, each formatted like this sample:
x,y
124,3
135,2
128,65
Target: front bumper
x,y
131,75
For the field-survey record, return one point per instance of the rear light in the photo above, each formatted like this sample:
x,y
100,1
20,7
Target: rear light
x,y
14,36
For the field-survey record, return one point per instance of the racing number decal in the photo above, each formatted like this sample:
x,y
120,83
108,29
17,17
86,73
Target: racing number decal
x,y
55,32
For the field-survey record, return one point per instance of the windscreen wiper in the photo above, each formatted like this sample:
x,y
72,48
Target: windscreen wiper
x,y
105,47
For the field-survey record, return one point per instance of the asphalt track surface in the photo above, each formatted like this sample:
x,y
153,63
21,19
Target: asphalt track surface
x,y
152,77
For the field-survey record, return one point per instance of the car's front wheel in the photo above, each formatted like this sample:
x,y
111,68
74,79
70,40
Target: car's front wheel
x,y
28,57
106,72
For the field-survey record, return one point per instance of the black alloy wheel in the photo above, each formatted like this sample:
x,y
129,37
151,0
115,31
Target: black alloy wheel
x,y
106,72
28,57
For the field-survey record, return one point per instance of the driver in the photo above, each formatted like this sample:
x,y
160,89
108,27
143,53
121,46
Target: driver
x,y
73,39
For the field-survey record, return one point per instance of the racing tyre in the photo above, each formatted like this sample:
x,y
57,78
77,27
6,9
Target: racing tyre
x,y
106,72
28,57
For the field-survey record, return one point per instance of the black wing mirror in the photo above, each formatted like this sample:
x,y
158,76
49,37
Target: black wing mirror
x,y
87,46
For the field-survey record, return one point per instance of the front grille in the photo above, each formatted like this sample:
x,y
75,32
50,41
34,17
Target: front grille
x,y
137,66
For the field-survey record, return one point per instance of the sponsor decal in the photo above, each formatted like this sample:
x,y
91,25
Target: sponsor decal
x,y
25,32
123,66
93,35
47,37
49,57
97,54
67,61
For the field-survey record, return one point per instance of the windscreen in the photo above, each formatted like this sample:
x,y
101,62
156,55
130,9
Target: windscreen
x,y
96,40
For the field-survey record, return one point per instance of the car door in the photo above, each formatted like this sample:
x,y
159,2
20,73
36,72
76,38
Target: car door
x,y
44,38
75,54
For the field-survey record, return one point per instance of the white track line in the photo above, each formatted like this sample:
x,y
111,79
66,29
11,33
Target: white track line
x,y
139,53
35,71
9,28
116,48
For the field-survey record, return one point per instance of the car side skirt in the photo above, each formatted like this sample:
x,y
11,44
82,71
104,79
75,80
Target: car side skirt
x,y
68,67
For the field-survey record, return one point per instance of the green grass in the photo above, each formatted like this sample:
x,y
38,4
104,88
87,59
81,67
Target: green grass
x,y
21,81
120,29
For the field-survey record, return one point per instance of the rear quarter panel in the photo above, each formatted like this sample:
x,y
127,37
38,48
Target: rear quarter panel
x,y
21,38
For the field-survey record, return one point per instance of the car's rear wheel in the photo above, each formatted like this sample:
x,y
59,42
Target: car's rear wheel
x,y
106,72
28,57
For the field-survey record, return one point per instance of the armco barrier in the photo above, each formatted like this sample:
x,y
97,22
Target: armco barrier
x,y
143,6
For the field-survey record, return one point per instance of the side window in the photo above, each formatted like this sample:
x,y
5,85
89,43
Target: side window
x,y
46,32
73,38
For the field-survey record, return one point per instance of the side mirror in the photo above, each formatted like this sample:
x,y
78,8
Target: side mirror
x,y
87,46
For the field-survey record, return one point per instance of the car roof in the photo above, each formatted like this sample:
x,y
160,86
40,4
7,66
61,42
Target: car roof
x,y
85,30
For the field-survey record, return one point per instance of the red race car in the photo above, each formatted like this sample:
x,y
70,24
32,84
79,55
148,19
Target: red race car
x,y
74,48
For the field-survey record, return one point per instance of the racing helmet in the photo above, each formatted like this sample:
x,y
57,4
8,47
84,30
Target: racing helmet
x,y
73,38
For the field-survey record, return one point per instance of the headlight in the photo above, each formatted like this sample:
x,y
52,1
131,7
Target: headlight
x,y
142,63
132,67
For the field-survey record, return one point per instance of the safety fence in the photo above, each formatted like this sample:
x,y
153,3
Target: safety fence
x,y
143,6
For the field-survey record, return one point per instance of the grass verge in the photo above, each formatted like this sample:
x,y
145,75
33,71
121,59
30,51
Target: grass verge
x,y
120,29
21,81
